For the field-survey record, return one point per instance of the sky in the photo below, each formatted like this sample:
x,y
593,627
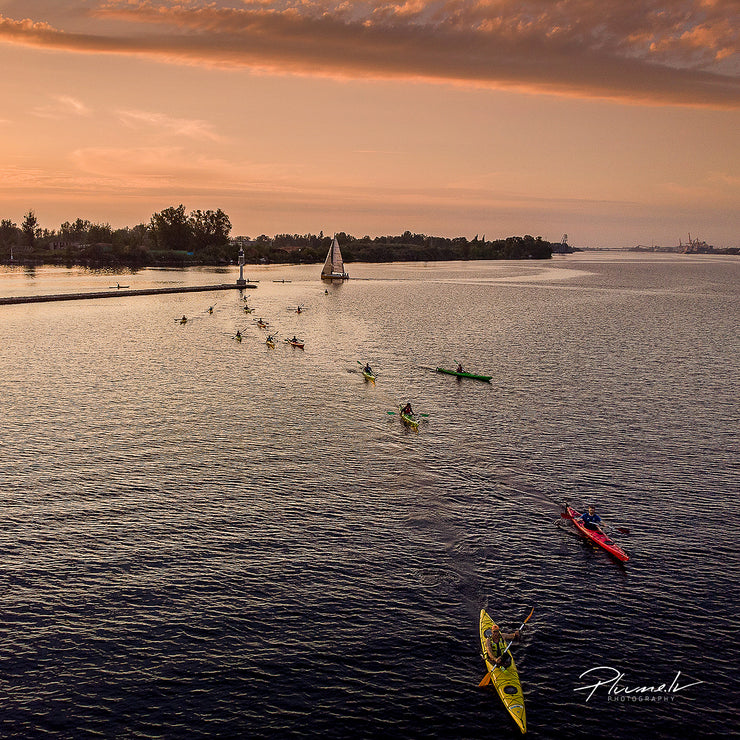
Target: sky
x,y
616,123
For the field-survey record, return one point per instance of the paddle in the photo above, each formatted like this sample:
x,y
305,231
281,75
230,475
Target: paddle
x,y
487,678
565,515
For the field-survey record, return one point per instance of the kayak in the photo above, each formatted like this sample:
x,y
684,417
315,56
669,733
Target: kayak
x,y
485,378
409,419
295,344
506,680
597,537
270,343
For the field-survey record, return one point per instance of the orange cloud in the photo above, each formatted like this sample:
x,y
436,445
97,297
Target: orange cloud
x,y
644,52
62,105
189,128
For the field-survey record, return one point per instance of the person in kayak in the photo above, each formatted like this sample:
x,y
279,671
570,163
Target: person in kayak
x,y
591,520
459,368
295,339
238,334
495,653
407,410
367,369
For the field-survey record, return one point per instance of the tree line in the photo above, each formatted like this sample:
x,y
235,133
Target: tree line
x,y
173,237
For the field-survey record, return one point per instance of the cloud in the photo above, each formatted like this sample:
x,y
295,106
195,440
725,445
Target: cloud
x,y
190,128
685,54
171,167
62,106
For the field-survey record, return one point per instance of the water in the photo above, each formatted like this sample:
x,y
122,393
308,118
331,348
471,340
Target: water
x,y
207,538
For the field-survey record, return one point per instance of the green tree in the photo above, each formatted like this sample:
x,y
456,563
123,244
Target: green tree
x,y
75,233
30,228
98,233
170,229
9,233
209,229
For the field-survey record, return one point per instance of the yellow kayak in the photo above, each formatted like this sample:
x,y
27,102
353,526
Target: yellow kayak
x,y
506,680
409,419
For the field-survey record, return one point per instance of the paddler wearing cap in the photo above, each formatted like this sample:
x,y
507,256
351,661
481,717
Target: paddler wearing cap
x,y
494,650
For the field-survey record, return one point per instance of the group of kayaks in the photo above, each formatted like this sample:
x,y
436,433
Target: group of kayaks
x,y
410,419
270,340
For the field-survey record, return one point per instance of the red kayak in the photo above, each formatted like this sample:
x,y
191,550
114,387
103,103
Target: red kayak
x,y
597,537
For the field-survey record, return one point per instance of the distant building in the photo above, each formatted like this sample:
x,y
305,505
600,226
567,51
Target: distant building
x,y
695,246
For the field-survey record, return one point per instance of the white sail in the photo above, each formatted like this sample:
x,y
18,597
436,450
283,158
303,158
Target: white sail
x,y
334,265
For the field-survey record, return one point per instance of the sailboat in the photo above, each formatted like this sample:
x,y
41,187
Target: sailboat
x,y
334,266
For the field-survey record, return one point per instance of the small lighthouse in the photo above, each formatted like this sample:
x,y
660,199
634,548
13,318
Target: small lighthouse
x,y
241,282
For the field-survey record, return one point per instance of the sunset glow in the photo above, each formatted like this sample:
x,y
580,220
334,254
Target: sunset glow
x,y
613,122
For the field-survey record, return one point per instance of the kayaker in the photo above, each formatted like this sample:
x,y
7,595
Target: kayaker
x,y
238,334
367,369
298,310
494,650
459,368
407,410
295,339
591,520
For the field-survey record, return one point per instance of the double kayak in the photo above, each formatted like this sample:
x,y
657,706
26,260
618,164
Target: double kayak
x,y
598,538
505,680
409,420
485,378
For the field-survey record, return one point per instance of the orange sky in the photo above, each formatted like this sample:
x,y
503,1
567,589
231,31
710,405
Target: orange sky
x,y
613,122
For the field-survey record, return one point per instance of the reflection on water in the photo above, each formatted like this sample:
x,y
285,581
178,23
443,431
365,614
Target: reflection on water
x,y
203,537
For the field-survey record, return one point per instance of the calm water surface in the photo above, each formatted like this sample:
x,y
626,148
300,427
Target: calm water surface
x,y
207,538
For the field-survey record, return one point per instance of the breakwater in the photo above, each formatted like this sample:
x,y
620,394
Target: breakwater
x,y
118,292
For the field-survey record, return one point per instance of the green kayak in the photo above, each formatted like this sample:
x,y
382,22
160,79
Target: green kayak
x,y
486,378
